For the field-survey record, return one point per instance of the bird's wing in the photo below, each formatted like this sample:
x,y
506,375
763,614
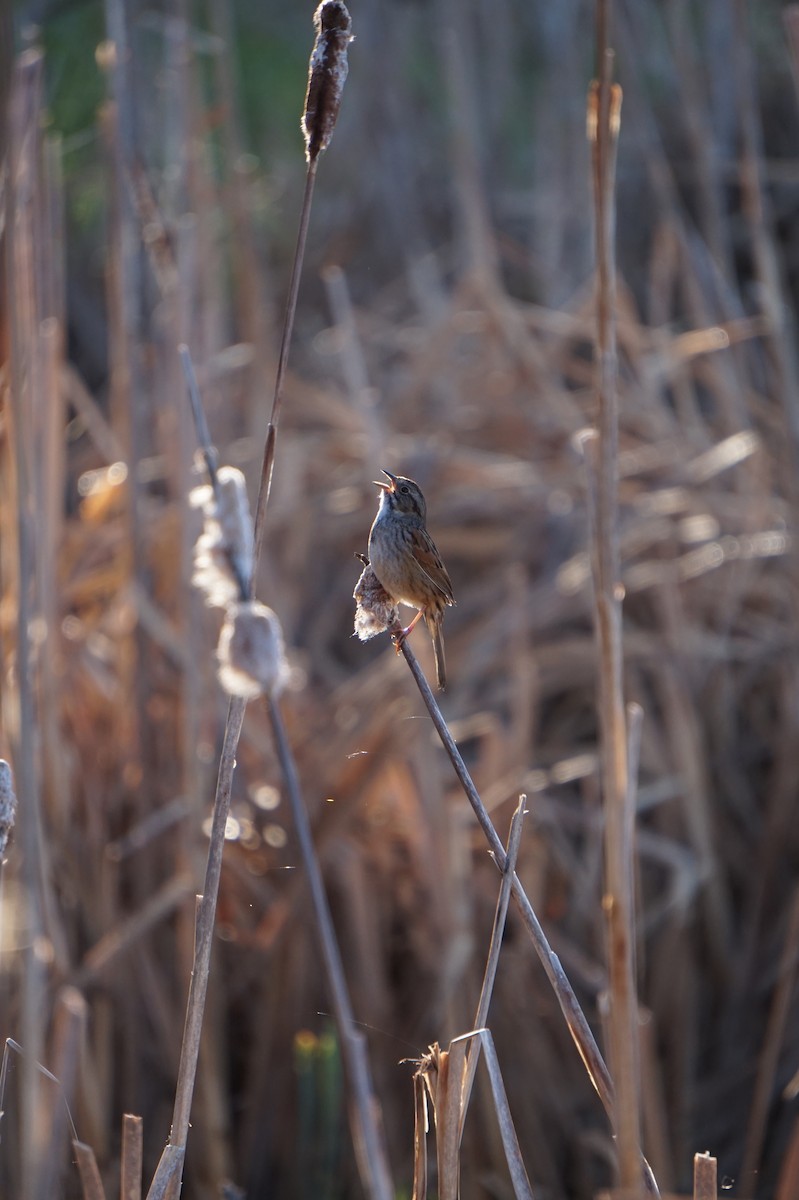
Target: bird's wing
x,y
429,563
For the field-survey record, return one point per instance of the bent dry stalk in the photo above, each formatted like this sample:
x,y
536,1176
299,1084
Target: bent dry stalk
x,y
573,1014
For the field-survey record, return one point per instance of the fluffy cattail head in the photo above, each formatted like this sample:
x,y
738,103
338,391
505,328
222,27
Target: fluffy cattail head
x,y
8,804
375,610
223,551
327,74
250,652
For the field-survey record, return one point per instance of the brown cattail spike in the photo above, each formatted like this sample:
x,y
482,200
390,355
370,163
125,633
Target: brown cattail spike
x,y
327,74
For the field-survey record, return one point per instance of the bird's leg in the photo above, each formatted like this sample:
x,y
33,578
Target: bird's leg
x,y
415,620
399,637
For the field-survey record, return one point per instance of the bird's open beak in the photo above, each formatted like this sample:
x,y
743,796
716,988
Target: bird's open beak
x,y
391,486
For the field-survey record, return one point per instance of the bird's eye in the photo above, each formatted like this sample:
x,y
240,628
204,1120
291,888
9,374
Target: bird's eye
x,y
406,491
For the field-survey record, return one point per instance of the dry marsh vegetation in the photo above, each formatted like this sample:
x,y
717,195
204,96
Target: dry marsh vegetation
x,y
451,324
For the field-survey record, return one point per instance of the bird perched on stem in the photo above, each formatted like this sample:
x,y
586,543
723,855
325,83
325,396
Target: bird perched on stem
x,y
404,558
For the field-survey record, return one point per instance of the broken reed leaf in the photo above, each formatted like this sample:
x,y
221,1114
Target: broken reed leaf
x,y
8,804
375,610
223,551
251,656
327,74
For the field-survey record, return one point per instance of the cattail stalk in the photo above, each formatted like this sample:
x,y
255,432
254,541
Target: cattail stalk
x,y
326,76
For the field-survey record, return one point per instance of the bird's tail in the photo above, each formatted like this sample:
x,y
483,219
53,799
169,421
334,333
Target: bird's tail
x,y
434,622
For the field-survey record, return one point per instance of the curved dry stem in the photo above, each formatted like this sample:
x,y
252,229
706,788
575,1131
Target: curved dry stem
x,y
573,1014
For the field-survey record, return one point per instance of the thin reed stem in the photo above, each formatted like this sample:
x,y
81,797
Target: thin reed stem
x,y
604,105
570,1006
198,412
573,1014
492,962
130,1167
368,1140
705,1177
204,933
267,467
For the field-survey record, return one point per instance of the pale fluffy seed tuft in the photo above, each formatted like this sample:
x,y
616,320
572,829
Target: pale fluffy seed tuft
x,y
223,551
250,653
375,610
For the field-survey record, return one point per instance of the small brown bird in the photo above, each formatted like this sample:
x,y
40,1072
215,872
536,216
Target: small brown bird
x,y
405,560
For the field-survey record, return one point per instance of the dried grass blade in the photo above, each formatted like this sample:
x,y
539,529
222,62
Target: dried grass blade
x,y
420,1130
704,1177
451,1066
131,1159
91,1182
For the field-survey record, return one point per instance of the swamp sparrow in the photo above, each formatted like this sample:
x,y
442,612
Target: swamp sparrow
x,y
405,560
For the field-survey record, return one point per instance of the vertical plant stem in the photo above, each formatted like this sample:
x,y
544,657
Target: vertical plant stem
x,y
367,1137
705,1172
206,914
265,486
602,459
130,1168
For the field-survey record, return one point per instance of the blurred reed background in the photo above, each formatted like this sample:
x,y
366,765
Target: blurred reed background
x,y
444,331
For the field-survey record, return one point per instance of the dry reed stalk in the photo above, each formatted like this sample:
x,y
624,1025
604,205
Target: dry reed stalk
x,y
167,1177
704,1177
492,961
180,270
130,1169
574,1016
326,78
90,1180
604,110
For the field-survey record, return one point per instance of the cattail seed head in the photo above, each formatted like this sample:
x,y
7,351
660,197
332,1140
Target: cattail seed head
x,y
375,610
8,804
250,653
327,74
223,551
